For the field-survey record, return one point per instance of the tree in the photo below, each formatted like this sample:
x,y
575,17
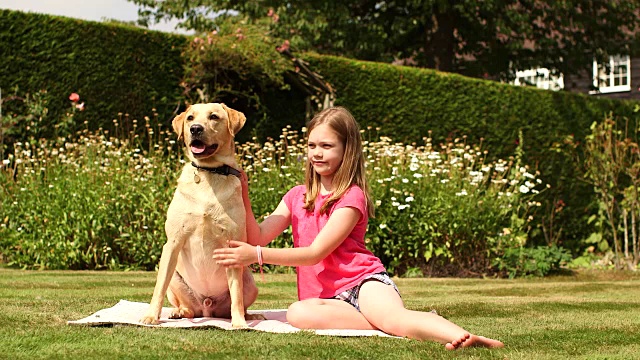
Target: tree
x,y
472,37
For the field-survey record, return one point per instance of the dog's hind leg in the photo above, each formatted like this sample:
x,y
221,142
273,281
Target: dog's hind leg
x,y
182,298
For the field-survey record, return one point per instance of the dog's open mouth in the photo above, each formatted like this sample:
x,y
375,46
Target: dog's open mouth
x,y
200,149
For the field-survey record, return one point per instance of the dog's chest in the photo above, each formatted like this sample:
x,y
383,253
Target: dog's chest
x,y
212,208
208,191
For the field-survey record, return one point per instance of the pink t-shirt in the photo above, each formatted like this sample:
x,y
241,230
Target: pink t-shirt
x,y
349,263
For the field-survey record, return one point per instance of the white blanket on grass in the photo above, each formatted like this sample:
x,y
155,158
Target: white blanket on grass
x,y
129,313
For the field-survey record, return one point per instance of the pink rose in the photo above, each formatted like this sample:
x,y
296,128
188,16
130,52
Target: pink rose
x,y
284,47
74,97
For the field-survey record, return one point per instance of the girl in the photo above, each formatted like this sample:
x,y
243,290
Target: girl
x,y
341,284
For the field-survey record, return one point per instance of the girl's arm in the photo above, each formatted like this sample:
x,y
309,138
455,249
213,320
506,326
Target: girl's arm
x,y
272,226
339,226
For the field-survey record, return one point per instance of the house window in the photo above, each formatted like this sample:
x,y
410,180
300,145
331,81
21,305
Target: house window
x,y
614,76
540,78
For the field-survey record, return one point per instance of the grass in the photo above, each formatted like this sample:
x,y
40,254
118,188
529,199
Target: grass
x,y
588,315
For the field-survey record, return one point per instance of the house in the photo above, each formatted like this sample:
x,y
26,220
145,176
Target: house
x,y
619,78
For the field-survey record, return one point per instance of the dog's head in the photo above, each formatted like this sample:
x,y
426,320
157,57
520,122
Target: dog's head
x,y
208,130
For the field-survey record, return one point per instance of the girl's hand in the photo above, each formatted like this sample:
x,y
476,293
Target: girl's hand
x,y
238,254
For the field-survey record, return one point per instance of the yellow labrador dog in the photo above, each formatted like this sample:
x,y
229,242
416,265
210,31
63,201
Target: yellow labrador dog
x,y
206,211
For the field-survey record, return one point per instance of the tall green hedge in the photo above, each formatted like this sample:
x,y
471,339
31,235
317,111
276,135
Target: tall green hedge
x,y
406,103
114,68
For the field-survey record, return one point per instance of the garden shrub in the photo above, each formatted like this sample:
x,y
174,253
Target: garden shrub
x,y
114,67
89,201
238,64
539,261
611,164
96,201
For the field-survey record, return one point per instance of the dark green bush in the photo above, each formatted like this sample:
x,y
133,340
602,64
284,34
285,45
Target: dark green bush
x,y
238,65
114,68
538,261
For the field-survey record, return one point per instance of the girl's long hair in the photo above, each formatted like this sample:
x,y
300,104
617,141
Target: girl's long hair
x,y
352,169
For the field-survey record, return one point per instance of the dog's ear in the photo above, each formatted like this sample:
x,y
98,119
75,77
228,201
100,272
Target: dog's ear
x,y
178,124
236,119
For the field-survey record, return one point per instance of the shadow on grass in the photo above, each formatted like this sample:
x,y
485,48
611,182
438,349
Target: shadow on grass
x,y
547,289
580,341
514,310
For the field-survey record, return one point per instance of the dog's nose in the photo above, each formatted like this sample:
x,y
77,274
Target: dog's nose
x,y
196,129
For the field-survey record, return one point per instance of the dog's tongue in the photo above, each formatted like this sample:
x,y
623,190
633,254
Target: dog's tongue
x,y
198,148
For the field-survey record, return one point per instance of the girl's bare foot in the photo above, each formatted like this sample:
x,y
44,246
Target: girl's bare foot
x,y
468,340
456,343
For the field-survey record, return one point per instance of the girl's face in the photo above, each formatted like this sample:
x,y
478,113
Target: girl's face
x,y
324,150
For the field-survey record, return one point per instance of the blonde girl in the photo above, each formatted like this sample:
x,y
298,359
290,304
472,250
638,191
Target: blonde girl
x,y
341,284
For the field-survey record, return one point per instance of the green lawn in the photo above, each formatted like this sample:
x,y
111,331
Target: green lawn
x,y
590,315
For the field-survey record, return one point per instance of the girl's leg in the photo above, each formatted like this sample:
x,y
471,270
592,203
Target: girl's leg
x,y
326,314
383,308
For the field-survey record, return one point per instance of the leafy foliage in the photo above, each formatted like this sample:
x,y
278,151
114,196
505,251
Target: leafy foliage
x,y
539,261
612,166
405,102
238,64
447,209
114,67
28,117
93,200
236,49
470,37
97,200
119,67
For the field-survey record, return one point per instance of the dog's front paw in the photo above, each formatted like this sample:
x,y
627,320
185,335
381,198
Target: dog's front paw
x,y
238,323
150,320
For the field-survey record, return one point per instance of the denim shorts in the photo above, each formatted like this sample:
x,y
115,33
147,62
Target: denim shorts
x,y
351,295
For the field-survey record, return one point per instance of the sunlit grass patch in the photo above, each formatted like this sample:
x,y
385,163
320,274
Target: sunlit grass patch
x,y
554,324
